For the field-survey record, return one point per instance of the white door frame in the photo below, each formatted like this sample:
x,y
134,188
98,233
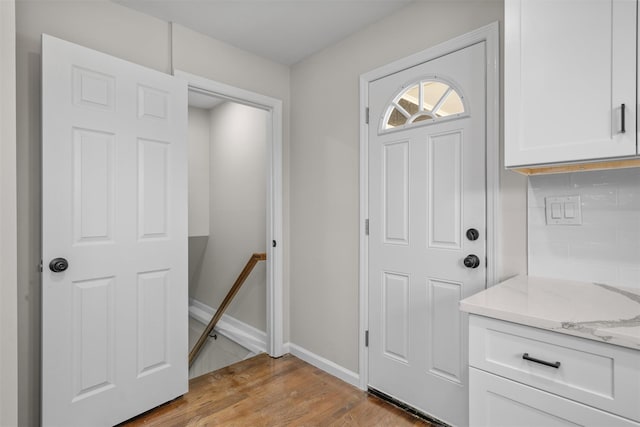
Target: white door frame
x,y
490,35
273,106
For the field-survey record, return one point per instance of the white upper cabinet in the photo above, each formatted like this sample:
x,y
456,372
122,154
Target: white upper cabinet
x,y
570,81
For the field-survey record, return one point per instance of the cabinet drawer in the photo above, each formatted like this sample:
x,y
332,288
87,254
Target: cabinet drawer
x,y
598,374
498,402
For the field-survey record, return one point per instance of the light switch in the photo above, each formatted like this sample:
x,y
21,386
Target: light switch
x,y
563,210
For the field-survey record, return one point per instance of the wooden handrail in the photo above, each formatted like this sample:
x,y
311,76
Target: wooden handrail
x,y
225,303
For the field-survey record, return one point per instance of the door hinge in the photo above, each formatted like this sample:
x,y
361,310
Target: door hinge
x,y
366,226
366,338
366,115
40,267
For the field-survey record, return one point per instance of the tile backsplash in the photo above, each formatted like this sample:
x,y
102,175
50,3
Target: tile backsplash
x,y
606,247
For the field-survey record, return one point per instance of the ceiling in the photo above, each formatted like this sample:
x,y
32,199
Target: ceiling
x,y
204,101
285,31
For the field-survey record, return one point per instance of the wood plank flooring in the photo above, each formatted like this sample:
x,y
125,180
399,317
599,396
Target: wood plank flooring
x,y
262,391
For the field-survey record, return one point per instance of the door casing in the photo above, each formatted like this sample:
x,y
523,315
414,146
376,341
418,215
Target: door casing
x,y
490,35
274,263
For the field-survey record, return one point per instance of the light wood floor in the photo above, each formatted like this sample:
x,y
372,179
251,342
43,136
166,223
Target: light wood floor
x,y
262,391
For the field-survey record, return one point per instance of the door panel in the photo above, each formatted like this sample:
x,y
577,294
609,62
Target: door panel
x,y
444,163
444,329
93,186
152,190
396,313
114,324
93,89
426,188
396,192
153,340
93,339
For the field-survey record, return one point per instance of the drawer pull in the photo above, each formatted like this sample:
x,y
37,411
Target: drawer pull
x,y
542,362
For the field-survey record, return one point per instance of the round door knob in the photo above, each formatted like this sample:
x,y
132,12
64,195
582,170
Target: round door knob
x,y
58,265
471,261
473,234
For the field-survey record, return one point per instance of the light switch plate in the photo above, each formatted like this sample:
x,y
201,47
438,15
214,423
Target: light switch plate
x,y
563,210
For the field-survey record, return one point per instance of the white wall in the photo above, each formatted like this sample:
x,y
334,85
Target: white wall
x,y
122,32
324,170
238,213
199,189
606,247
8,257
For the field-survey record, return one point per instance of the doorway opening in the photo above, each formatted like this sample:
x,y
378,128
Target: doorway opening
x,y
227,223
235,139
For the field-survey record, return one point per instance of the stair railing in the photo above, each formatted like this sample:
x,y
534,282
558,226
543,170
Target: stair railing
x,y
255,258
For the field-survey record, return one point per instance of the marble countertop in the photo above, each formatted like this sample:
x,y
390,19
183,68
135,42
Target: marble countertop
x,y
589,310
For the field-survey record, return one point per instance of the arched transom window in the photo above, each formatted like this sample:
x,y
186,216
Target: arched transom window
x,y
428,100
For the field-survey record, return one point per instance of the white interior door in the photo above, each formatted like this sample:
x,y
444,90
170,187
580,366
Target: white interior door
x,y
114,206
426,190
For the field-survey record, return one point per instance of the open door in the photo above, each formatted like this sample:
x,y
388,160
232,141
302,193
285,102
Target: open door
x,y
114,237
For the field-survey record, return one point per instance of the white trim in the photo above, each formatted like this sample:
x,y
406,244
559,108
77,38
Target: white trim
x,y
8,219
246,335
363,367
490,35
275,287
326,365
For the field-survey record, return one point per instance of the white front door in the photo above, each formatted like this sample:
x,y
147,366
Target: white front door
x,y
427,192
114,206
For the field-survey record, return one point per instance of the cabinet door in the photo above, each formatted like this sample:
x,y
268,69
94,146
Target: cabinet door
x,y
498,402
570,65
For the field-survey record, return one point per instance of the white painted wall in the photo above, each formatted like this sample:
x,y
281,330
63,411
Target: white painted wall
x,y
324,170
114,29
606,247
199,189
8,257
238,213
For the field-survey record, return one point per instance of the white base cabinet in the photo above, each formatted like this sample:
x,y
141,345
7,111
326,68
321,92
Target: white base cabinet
x,y
499,402
525,376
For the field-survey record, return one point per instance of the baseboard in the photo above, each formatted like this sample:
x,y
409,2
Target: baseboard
x,y
246,335
326,365
256,341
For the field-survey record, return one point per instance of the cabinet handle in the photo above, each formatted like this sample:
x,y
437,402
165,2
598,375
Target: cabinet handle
x,y
542,362
622,127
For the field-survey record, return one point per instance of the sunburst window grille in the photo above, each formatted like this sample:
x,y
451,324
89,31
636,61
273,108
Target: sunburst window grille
x,y
426,101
